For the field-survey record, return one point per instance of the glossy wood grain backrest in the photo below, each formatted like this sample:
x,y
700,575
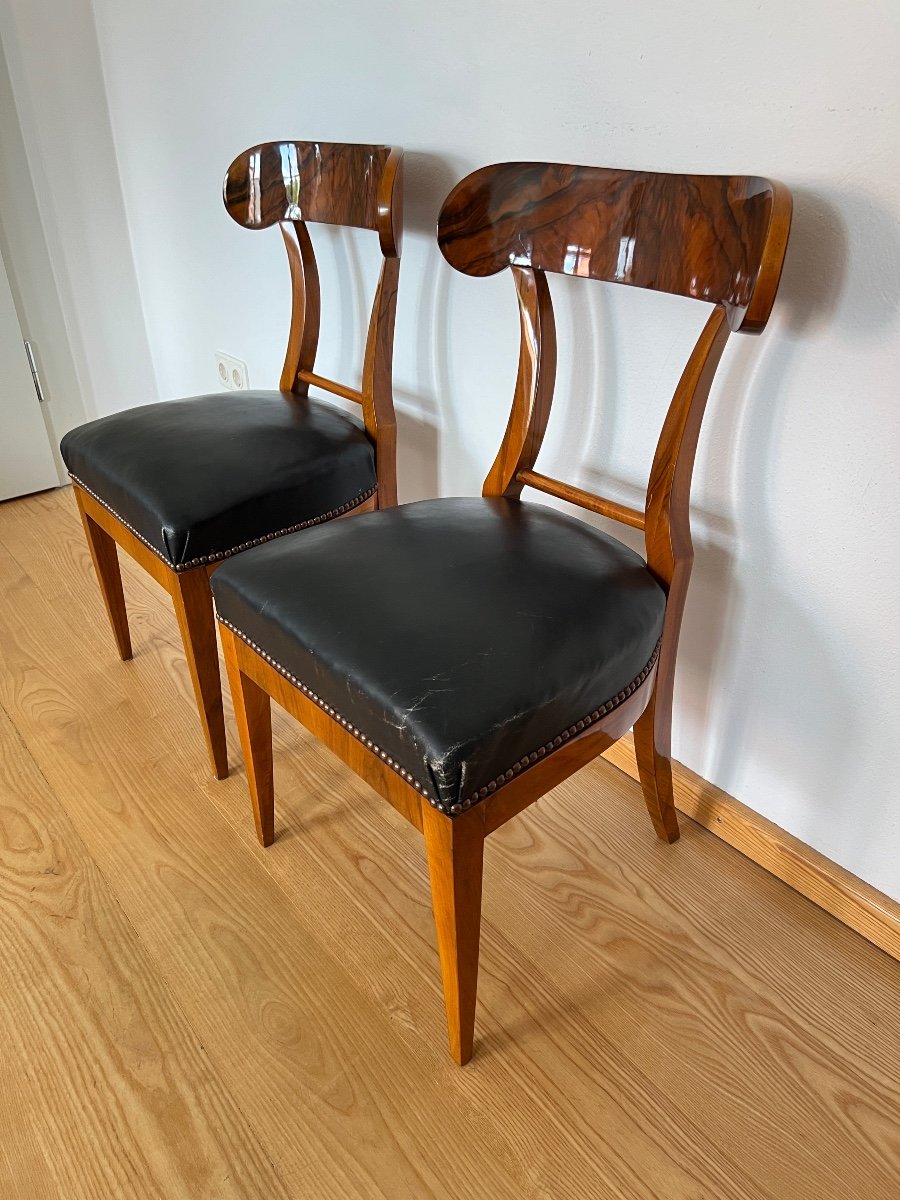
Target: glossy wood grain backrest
x,y
718,238
333,182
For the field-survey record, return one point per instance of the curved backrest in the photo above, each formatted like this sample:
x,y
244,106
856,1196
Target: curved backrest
x,y
719,238
336,183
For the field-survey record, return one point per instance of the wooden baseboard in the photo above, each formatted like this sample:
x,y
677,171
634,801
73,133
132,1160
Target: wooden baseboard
x,y
854,902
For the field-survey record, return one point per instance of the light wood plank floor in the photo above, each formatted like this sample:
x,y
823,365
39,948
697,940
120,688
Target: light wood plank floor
x,y
185,1015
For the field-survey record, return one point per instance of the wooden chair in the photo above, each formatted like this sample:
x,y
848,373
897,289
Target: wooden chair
x,y
465,656
184,485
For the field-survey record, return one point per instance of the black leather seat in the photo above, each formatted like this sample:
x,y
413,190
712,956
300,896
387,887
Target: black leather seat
x,y
464,637
199,479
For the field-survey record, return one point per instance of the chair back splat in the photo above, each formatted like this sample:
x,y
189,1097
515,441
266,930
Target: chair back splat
x,y
292,183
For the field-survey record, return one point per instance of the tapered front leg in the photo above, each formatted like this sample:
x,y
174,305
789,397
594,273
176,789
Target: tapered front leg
x,y
253,713
652,751
455,862
192,597
106,565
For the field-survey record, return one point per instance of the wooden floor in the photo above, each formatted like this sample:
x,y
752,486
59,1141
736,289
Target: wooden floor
x,y
185,1015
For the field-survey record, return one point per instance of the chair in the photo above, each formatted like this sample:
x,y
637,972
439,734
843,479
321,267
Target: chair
x,y
464,656
184,485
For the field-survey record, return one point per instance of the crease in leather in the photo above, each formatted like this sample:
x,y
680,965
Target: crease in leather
x,y
459,634
174,544
200,476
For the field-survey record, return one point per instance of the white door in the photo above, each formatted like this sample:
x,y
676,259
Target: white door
x,y
26,460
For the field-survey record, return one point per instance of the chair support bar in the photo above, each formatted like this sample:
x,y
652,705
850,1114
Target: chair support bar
x,y
575,495
329,385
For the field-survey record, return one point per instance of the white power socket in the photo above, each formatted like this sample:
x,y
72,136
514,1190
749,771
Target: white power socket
x,y
232,372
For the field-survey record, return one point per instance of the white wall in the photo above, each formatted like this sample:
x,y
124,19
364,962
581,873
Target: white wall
x,y
69,250
787,691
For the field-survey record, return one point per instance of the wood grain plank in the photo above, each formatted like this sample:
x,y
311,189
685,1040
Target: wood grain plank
x,y
113,1094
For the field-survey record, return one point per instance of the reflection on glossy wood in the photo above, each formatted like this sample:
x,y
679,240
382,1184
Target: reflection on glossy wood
x,y
720,240
333,182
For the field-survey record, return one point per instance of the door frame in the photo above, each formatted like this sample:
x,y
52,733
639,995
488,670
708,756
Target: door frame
x,y
33,282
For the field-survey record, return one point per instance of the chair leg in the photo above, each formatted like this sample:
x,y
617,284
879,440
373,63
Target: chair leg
x,y
652,740
253,713
106,566
192,598
455,861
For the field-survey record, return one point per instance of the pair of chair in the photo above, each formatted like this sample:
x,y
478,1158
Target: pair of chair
x,y
502,644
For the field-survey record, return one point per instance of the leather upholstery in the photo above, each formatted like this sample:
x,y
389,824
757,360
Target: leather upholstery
x,y
199,478
458,635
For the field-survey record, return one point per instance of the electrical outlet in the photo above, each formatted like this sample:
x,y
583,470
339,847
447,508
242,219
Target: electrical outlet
x,y
232,372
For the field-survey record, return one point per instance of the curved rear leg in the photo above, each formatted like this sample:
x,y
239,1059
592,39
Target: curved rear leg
x,y
652,749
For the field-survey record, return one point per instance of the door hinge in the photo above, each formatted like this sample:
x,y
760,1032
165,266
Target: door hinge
x,y
34,373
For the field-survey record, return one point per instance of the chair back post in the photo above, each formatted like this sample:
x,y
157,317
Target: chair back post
x,y
361,186
668,541
377,377
306,307
667,529
535,380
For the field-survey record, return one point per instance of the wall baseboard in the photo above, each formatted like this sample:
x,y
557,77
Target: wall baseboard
x,y
854,902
